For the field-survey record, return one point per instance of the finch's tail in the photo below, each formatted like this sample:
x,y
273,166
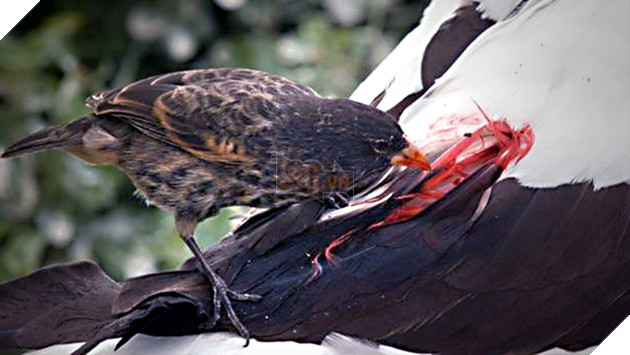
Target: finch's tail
x,y
51,137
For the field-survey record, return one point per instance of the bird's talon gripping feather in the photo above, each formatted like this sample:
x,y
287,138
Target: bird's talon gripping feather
x,y
223,299
222,295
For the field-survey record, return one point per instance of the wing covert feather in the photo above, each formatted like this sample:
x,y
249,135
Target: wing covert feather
x,y
204,112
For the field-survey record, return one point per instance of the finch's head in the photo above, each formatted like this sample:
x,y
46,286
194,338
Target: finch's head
x,y
380,142
359,138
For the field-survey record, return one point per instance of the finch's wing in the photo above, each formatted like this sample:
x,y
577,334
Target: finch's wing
x,y
214,114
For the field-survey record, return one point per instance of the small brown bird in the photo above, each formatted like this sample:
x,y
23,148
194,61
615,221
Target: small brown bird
x,y
195,141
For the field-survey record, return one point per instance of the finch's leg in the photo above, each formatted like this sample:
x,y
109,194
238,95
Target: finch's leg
x,y
222,294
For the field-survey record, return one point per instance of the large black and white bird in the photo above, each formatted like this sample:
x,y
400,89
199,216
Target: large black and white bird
x,y
517,242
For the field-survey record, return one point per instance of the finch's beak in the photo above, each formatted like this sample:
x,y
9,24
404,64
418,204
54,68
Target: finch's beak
x,y
412,158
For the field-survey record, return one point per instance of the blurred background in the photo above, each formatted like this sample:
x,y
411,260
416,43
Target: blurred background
x,y
54,208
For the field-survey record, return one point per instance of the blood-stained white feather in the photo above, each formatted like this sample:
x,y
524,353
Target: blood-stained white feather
x,y
562,66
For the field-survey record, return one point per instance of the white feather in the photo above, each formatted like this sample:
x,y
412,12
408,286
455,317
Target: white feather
x,y
562,66
496,9
399,73
227,344
231,344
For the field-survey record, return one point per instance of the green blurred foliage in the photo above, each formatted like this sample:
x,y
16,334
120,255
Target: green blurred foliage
x,y
54,208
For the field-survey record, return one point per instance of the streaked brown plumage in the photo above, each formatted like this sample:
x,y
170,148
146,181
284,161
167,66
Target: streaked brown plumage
x,y
193,142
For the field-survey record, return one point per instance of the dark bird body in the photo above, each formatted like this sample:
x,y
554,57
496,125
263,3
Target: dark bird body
x,y
193,142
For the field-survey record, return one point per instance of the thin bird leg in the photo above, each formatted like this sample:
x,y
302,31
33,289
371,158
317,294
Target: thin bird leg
x,y
222,294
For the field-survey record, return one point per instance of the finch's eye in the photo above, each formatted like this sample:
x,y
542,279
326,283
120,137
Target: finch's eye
x,y
380,146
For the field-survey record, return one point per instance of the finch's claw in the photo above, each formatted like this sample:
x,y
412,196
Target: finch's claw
x,y
223,296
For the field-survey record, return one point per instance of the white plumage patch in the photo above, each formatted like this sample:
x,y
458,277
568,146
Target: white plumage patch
x,y
228,344
231,344
562,66
496,9
400,72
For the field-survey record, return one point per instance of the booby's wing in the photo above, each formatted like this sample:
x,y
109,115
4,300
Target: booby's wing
x,y
544,263
57,304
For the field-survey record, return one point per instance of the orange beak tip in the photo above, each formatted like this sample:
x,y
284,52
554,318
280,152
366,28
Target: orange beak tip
x,y
425,165
411,157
